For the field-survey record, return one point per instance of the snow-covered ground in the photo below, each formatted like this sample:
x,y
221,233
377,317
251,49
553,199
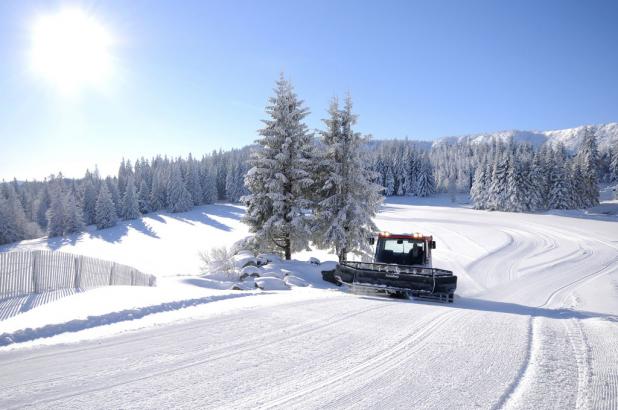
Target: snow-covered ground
x,y
535,323
162,244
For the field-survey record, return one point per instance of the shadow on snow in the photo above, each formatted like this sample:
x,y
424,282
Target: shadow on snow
x,y
492,306
198,215
29,334
13,306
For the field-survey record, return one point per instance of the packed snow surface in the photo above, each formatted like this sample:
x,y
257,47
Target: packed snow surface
x,y
534,323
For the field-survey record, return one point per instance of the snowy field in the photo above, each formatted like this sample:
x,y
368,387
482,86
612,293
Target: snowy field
x,y
534,324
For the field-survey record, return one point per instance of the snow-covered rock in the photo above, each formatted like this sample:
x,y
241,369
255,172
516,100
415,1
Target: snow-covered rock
x,y
271,283
273,273
242,260
251,271
248,285
292,280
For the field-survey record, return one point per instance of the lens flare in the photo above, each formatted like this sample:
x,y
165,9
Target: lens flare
x,y
71,50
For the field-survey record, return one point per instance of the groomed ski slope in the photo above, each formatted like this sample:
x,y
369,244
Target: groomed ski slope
x,y
535,325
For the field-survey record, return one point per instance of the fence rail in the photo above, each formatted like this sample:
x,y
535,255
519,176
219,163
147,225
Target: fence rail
x,y
23,272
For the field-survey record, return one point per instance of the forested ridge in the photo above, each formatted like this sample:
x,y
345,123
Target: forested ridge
x,y
499,175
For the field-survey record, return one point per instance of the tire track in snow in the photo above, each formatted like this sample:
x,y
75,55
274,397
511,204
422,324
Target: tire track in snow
x,y
224,353
373,367
604,356
486,266
145,336
581,349
528,370
569,258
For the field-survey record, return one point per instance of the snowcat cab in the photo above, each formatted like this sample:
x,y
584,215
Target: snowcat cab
x,y
402,266
404,249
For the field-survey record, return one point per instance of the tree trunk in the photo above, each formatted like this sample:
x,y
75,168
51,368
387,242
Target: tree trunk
x,y
288,249
342,255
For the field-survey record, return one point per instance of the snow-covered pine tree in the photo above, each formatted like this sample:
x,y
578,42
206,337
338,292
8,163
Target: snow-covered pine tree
x,y
143,173
14,225
499,183
208,181
158,192
400,172
130,201
517,191
613,166
489,168
578,186
89,199
178,197
281,176
389,182
25,198
112,186
42,205
452,187
538,182
143,198
234,184
588,156
220,173
413,171
105,210
122,178
425,185
406,162
348,200
6,221
547,161
560,186
193,180
479,188
230,181
56,213
73,219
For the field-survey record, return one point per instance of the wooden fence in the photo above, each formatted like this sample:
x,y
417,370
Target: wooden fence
x,y
24,272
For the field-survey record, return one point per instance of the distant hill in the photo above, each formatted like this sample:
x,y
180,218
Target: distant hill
x,y
607,135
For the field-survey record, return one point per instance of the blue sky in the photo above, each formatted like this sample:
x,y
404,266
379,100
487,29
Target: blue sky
x,y
195,76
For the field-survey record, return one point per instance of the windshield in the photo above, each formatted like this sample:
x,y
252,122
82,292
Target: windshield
x,y
402,245
401,251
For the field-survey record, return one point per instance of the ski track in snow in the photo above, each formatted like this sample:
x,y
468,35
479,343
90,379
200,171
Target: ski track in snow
x,y
514,338
533,371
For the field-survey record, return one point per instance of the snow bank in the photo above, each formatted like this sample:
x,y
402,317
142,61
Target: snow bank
x,y
29,334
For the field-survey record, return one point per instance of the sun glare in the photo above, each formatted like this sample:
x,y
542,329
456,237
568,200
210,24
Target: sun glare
x,y
71,50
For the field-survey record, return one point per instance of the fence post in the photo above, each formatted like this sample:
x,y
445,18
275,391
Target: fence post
x,y
76,280
111,274
35,284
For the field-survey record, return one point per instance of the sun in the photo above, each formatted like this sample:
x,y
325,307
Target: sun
x,y
71,50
